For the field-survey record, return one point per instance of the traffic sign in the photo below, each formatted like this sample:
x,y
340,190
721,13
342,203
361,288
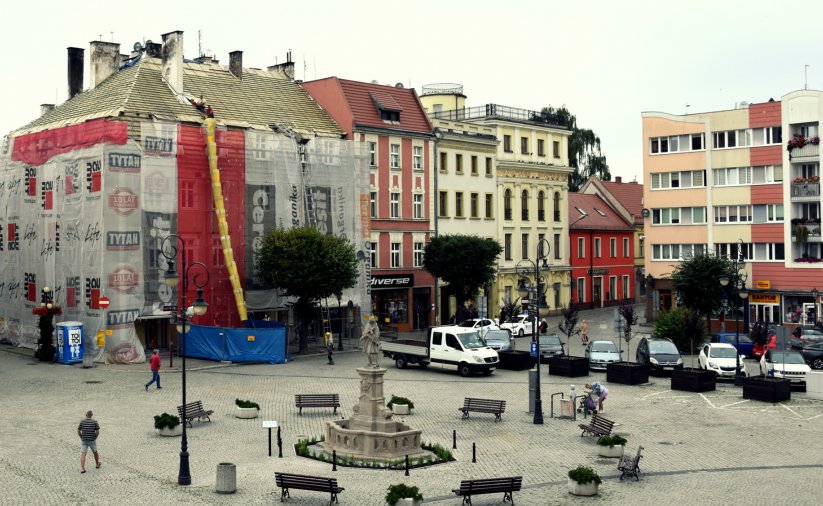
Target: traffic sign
x,y
533,351
103,302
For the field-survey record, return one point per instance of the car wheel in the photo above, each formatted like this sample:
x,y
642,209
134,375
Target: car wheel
x,y
817,363
464,370
520,333
400,362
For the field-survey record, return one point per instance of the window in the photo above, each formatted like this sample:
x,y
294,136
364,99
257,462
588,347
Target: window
x,y
767,174
417,158
395,254
596,247
767,136
443,159
394,205
394,159
613,247
557,246
541,206
733,176
524,146
612,288
507,246
419,250
524,205
489,205
443,209
556,149
507,143
373,255
666,216
373,154
556,206
186,194
524,246
581,247
488,166
458,204
458,163
625,247
417,206
698,142
766,252
625,287
218,259
507,204
474,205
373,204
680,179
774,212
676,251
731,139
390,116
733,214
732,252
581,290
541,147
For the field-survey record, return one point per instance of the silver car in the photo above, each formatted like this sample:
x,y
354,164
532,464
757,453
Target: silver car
x,y
499,340
602,353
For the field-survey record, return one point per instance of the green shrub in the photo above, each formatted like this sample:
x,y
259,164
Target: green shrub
x,y
585,474
611,441
442,453
247,404
402,491
399,400
166,421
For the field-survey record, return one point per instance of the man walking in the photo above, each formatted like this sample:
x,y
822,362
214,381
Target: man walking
x,y
330,347
154,362
88,430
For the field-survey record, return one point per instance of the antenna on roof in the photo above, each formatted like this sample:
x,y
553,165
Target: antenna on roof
x,y
199,43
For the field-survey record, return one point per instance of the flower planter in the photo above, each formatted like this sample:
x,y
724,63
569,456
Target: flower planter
x,y
246,412
694,380
766,389
613,452
566,365
400,409
516,360
167,432
627,373
589,488
408,502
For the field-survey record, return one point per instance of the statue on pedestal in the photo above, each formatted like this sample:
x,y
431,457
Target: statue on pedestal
x,y
370,341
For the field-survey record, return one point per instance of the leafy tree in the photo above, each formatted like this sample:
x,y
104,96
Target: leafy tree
x,y
465,262
696,281
308,265
682,325
629,313
568,323
509,310
585,156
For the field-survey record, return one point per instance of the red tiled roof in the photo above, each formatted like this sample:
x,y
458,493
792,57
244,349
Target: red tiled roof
x,y
594,221
365,112
630,196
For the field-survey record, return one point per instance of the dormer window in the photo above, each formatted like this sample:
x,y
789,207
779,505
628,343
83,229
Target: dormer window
x,y
390,116
387,106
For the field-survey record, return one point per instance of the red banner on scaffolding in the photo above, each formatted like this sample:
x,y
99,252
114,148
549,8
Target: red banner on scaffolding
x,y
40,147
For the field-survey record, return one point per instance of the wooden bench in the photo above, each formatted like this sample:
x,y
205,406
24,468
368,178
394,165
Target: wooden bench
x,y
304,482
489,486
483,406
598,426
194,410
630,466
317,401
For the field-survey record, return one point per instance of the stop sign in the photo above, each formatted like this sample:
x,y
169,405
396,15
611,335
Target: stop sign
x,y
104,302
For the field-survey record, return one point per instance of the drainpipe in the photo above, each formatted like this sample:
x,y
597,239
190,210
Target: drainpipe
x,y
438,135
591,268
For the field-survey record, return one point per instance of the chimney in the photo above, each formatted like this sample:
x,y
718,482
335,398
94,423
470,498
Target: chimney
x,y
236,64
618,179
76,61
46,108
286,69
173,60
105,59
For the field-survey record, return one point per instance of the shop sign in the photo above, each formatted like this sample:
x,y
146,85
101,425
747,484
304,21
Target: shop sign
x,y
763,285
764,298
392,281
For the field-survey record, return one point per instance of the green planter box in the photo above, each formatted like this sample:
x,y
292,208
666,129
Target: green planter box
x,y
627,373
566,365
516,360
694,380
766,389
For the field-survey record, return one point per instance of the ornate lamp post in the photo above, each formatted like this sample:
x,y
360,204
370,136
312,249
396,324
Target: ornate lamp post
x,y
738,282
199,307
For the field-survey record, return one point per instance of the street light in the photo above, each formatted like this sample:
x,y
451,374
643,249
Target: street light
x,y
814,306
543,248
199,307
738,282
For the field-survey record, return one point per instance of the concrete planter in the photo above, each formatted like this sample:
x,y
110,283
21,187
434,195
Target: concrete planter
x,y
694,380
246,412
408,502
167,432
566,365
586,489
814,385
400,409
613,452
627,373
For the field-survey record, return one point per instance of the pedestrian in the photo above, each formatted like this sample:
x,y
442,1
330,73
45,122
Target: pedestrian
x,y
88,430
330,347
601,392
584,333
544,326
154,362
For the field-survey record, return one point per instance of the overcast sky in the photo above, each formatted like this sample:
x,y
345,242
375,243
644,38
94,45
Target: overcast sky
x,y
607,61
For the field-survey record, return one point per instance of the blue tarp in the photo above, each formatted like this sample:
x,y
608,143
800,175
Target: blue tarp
x,y
259,344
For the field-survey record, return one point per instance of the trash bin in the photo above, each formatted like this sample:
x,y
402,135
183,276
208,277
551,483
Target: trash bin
x,y
226,478
69,342
89,350
533,378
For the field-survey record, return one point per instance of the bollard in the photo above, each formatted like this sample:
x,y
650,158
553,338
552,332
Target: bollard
x,y
474,454
454,439
407,465
279,444
334,460
226,478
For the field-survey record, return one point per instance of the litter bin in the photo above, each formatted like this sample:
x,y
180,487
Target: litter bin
x,y
69,342
89,350
533,379
226,478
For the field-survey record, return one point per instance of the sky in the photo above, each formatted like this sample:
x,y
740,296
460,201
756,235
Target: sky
x,y
606,61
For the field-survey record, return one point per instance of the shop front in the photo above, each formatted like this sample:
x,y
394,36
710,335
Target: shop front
x,y
398,304
764,307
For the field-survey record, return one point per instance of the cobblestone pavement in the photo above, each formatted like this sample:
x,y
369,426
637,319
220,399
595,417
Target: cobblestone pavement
x,y
712,448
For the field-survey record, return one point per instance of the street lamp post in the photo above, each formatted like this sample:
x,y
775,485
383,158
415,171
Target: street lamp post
x,y
739,284
199,307
543,248
814,306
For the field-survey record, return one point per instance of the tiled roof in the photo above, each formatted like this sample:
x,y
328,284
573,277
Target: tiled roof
x,y
259,99
630,196
594,221
366,113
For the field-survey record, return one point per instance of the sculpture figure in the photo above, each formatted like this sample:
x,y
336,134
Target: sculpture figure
x,y
370,342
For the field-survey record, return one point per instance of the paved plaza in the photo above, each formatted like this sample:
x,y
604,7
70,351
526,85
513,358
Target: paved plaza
x,y
712,448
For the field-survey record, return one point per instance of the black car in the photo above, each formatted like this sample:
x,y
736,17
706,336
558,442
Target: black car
x,y
813,354
659,354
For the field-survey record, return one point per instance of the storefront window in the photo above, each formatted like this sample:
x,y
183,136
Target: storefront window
x,y
392,306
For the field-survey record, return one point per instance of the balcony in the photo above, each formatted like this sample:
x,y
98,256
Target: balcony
x,y
490,111
809,152
806,231
805,191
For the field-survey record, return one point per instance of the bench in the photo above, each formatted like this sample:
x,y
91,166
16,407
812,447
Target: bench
x,y
194,410
304,482
489,486
317,401
598,426
630,466
483,406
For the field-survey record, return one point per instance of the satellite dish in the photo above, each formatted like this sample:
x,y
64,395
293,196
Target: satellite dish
x,y
137,47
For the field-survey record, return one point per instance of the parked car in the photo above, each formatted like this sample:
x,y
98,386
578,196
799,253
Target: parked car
x,y
659,354
721,358
550,345
813,354
602,353
788,364
808,334
480,324
499,339
758,349
746,345
520,325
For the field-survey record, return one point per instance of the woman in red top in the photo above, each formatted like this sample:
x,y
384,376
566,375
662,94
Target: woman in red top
x,y
154,362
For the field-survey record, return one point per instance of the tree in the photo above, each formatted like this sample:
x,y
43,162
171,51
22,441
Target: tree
x,y
465,262
307,265
585,156
629,313
696,281
568,324
682,325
